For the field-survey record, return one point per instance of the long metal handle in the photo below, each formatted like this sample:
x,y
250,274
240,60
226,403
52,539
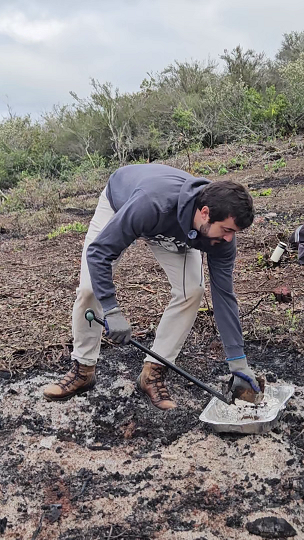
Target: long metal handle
x,y
90,316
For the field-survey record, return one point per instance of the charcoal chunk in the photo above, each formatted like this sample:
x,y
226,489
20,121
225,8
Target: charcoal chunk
x,y
3,523
271,527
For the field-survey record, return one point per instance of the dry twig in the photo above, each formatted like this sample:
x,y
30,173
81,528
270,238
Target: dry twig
x,y
138,286
254,307
211,317
37,531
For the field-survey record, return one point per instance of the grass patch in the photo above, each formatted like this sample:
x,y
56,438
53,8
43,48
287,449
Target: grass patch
x,y
262,193
71,227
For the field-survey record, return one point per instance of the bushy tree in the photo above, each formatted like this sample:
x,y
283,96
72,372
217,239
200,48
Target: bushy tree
x,y
25,146
291,48
187,77
78,131
246,66
293,77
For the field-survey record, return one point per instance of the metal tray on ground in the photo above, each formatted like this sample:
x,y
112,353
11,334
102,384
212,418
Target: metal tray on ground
x,y
245,418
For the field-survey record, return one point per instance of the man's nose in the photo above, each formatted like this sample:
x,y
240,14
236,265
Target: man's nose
x,y
229,236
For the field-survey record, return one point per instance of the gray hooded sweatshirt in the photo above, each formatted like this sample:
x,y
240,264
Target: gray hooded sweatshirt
x,y
157,202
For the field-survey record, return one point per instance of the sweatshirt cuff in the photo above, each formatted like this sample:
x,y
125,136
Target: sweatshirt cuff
x,y
108,303
234,351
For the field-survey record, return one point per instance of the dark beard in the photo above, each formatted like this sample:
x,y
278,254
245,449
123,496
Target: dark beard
x,y
204,229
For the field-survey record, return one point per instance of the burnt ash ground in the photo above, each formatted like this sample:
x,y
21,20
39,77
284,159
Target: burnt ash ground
x,y
117,468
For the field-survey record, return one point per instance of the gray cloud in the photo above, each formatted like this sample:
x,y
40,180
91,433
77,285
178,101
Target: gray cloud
x,y
49,48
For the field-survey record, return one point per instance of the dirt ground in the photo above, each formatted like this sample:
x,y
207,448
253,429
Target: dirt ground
x,y
104,465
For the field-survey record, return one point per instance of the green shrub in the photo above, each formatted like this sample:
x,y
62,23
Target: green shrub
x,y
261,260
293,79
279,164
263,193
238,162
201,169
276,165
32,193
222,170
184,108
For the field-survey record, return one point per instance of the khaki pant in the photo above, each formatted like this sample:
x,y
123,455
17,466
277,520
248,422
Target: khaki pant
x,y
186,279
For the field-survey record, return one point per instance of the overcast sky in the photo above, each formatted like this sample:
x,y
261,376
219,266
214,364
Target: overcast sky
x,y
50,47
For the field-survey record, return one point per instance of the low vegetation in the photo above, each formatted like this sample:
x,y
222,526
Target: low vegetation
x,y
186,107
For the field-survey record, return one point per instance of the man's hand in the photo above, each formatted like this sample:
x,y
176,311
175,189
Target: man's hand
x,y
117,327
244,384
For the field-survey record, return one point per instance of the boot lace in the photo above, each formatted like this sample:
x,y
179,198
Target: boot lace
x,y
72,376
157,380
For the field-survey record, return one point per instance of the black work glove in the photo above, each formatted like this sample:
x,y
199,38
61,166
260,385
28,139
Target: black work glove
x,y
117,327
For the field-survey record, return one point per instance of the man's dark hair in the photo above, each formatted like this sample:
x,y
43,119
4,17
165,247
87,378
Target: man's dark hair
x,y
227,199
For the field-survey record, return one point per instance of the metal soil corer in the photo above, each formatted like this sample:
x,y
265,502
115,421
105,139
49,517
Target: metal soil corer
x,y
225,413
90,316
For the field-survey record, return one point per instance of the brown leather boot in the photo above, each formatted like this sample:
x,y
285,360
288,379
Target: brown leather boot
x,y
80,379
151,383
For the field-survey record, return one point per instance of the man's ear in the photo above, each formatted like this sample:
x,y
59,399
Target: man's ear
x,y
205,214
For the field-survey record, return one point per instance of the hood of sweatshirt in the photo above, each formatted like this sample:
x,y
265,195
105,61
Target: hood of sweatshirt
x,y
186,206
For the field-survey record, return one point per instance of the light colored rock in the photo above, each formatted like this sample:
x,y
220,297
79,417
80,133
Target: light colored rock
x,y
47,442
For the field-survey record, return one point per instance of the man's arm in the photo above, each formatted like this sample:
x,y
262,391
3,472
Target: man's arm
x,y
221,264
130,222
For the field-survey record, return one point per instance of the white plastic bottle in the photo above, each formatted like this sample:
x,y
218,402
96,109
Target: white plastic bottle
x,y
278,252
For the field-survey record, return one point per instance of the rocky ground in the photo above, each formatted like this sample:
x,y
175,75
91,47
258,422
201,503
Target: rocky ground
x,y
104,465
